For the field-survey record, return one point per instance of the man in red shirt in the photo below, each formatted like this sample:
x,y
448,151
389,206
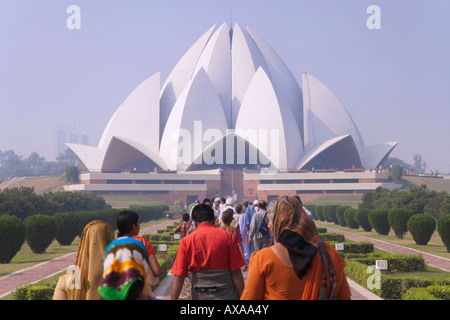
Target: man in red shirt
x,y
212,256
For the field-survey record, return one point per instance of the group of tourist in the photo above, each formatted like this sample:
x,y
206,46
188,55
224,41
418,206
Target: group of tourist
x,y
277,244
111,268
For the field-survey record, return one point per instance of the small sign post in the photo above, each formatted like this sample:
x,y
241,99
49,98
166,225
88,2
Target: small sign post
x,y
382,265
162,249
339,247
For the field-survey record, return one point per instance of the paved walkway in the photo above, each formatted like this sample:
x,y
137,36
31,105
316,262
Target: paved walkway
x,y
47,269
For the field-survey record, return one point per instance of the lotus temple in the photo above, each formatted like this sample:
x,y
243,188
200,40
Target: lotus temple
x,y
231,117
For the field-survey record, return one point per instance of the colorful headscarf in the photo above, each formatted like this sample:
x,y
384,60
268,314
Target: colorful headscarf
x,y
125,262
290,215
88,262
295,230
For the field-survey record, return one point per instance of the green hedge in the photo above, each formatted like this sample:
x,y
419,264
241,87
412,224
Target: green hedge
x,y
390,287
434,292
65,230
355,247
349,217
318,213
378,219
422,227
34,292
398,221
396,262
40,231
443,228
362,219
148,213
329,213
335,237
12,237
340,215
396,288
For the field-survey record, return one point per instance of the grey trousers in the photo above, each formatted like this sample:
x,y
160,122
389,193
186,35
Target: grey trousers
x,y
261,243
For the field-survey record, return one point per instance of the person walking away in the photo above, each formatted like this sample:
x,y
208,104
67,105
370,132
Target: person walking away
x,y
213,257
128,225
292,268
243,224
87,273
259,239
183,227
227,219
125,265
251,210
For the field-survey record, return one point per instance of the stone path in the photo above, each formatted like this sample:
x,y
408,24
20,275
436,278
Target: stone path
x,y
47,269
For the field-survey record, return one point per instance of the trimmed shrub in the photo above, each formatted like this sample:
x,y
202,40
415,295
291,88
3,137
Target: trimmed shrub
x,y
322,230
340,215
66,227
329,213
337,237
319,214
311,209
378,219
443,228
12,237
362,218
40,231
396,288
418,294
398,221
396,262
34,292
361,247
421,227
349,217
434,292
153,212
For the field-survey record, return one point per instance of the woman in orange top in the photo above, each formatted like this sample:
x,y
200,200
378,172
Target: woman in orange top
x,y
292,268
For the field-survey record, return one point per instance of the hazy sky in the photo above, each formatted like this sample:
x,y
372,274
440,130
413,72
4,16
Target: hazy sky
x,y
394,81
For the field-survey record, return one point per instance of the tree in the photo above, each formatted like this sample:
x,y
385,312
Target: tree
x,y
398,221
396,172
71,173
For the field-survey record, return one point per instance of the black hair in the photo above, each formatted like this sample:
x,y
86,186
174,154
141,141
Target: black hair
x,y
203,212
208,202
135,290
227,216
125,221
262,204
238,208
186,217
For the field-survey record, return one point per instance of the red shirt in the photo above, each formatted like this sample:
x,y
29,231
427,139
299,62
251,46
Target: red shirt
x,y
208,248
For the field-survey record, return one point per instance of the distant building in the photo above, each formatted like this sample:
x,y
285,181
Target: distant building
x,y
230,117
69,134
